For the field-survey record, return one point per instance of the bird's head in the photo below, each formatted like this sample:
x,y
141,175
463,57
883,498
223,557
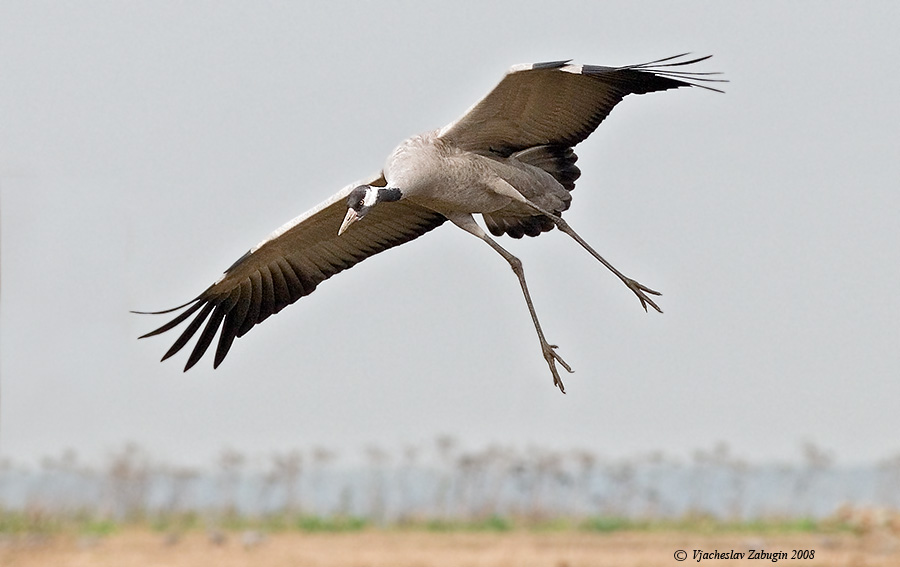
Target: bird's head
x,y
362,199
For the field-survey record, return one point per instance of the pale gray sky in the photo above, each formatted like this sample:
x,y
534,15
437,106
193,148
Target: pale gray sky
x,y
146,146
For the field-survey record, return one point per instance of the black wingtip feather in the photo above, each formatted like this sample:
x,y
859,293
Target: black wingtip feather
x,y
255,301
170,310
189,331
222,311
662,69
232,323
226,339
174,322
206,337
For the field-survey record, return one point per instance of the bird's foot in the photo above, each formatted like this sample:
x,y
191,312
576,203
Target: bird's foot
x,y
641,291
552,358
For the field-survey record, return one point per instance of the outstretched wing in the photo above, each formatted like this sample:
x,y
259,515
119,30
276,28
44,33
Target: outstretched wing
x,y
289,264
560,104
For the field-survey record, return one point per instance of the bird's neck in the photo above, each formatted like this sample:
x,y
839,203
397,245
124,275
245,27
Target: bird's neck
x,y
387,194
376,195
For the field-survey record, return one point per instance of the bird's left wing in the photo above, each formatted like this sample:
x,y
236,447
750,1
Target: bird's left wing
x,y
289,264
559,103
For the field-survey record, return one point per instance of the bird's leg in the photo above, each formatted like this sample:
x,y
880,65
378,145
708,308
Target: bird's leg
x,y
639,289
467,223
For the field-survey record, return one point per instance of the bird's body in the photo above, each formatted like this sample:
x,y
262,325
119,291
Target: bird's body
x,y
446,179
509,158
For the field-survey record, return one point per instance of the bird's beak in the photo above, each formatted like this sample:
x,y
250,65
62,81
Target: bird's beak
x,y
349,219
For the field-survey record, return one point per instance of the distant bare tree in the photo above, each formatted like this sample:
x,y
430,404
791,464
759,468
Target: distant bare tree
x,y
181,481
128,477
701,475
231,464
286,472
652,465
547,467
739,472
622,478
585,464
446,447
378,459
405,482
66,480
724,466
469,468
480,477
816,461
321,459
497,462
520,478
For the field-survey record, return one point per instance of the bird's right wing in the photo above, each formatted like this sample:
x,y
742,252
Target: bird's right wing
x,y
560,104
289,264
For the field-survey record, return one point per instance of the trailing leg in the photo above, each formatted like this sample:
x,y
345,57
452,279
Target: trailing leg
x,y
467,223
639,289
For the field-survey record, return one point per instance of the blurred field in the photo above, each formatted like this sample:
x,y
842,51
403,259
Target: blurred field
x,y
397,548
441,505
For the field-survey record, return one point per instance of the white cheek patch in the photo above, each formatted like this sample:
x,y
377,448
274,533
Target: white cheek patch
x,y
371,196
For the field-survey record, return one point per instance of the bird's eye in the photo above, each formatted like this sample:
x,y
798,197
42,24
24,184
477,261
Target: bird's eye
x,y
359,203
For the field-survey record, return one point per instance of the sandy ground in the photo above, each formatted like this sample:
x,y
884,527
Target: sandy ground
x,y
425,549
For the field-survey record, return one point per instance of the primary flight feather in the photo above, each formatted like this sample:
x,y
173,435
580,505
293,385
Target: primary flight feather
x,y
508,158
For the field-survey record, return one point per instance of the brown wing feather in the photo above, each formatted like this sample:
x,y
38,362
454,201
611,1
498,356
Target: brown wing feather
x,y
559,104
289,265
